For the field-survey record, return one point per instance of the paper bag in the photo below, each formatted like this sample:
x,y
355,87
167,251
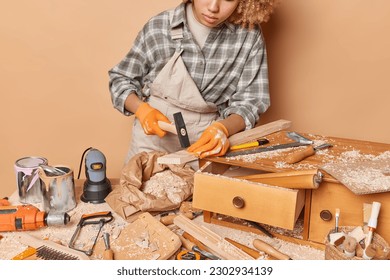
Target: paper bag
x,y
129,197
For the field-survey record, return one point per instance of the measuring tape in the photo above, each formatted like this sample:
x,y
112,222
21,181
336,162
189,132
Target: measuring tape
x,y
188,255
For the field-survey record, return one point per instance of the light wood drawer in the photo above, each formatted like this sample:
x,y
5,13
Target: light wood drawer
x,y
247,200
330,196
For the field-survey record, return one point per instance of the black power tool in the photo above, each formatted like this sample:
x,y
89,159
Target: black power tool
x,y
96,186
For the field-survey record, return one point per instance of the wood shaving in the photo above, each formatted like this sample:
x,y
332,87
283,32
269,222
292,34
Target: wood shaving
x,y
165,184
362,173
295,251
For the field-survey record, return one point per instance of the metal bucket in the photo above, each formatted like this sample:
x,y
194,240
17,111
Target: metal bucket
x,y
58,189
27,178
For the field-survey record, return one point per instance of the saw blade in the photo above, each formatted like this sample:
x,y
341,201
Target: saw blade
x,y
265,149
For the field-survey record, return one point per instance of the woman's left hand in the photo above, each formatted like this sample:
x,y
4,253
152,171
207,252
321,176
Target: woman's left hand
x,y
213,141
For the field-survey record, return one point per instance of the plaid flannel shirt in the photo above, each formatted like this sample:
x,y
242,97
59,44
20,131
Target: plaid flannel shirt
x,y
230,71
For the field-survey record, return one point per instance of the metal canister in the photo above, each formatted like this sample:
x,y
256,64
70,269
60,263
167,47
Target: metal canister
x,y
27,178
58,189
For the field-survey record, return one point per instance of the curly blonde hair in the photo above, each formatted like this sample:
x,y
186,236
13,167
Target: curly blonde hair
x,y
251,13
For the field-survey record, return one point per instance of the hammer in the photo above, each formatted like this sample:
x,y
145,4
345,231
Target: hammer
x,y
179,129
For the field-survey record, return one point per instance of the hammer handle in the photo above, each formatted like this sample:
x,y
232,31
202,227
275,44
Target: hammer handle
x,y
262,246
167,127
300,155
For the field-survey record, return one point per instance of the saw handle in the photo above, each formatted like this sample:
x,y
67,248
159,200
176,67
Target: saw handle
x,y
300,155
266,248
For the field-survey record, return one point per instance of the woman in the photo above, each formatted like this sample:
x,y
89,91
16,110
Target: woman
x,y
206,59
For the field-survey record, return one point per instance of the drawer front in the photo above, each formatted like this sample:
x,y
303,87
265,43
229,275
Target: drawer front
x,y
248,200
330,196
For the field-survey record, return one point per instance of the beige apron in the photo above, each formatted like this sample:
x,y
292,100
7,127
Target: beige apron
x,y
173,91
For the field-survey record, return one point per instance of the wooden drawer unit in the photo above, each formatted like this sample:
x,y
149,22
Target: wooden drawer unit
x,y
331,195
247,200
280,207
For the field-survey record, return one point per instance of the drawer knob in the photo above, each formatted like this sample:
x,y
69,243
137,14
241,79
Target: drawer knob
x,y
238,202
326,215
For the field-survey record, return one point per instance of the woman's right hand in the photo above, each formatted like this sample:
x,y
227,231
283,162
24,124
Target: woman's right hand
x,y
149,118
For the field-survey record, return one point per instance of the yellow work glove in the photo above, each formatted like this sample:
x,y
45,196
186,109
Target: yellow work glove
x,y
149,117
213,141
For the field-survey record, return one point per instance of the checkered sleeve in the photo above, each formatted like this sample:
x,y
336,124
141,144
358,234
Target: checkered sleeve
x,y
251,97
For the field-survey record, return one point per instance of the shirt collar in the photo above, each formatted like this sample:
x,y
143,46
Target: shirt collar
x,y
180,18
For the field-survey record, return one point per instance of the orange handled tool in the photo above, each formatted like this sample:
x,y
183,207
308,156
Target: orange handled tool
x,y
108,254
302,154
265,247
28,217
4,202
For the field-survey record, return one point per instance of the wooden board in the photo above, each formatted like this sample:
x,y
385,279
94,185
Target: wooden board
x,y
362,177
274,161
258,132
144,239
182,157
216,244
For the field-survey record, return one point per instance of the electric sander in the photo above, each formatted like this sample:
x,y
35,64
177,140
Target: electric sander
x,y
96,186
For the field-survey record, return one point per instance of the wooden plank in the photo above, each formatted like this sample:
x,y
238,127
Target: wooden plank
x,y
258,132
182,157
218,246
300,179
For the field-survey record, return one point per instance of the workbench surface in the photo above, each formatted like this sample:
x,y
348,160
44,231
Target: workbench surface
x,y
10,247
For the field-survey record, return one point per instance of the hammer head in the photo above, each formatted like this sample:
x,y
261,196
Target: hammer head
x,y
181,130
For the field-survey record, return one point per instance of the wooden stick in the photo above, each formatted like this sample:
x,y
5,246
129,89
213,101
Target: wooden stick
x,y
182,157
265,247
258,132
300,179
252,252
218,246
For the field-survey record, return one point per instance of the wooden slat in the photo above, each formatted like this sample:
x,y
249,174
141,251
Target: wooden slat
x,y
300,179
216,243
182,157
258,132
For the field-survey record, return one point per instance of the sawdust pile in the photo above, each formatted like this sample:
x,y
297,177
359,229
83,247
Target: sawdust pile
x,y
165,184
362,173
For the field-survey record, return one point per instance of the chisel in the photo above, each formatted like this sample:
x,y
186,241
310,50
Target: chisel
x,y
108,254
266,248
307,152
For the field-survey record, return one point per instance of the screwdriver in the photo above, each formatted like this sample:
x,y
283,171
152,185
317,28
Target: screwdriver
x,y
108,254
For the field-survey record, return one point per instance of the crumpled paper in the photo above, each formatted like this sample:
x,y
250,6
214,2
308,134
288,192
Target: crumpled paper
x,y
128,199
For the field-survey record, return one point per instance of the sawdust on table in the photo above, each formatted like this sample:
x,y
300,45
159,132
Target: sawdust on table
x,y
362,173
294,251
10,247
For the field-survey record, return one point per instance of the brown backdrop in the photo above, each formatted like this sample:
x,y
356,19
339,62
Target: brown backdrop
x,y
328,73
